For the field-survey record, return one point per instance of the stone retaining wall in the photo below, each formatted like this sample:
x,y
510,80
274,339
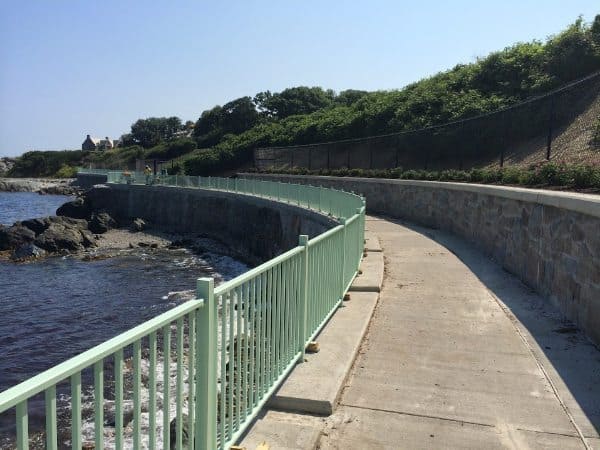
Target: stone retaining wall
x,y
255,229
550,240
87,180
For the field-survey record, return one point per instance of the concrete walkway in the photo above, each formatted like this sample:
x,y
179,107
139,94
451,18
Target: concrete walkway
x,y
460,354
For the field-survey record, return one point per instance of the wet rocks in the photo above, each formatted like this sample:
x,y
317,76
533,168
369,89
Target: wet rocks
x,y
32,238
28,251
76,209
68,234
101,222
137,225
15,236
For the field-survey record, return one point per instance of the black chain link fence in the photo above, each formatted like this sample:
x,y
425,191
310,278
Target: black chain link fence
x,y
474,142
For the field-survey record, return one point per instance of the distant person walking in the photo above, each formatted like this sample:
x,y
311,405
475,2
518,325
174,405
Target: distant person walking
x,y
148,173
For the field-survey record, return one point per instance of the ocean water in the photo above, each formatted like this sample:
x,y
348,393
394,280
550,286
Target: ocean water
x,y
59,307
27,205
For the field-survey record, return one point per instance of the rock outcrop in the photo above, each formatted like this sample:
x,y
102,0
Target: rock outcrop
x,y
33,238
39,185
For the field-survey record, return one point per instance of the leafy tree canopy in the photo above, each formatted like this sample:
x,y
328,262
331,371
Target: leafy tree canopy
x,y
153,130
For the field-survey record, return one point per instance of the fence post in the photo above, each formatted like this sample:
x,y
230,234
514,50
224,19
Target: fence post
x,y
206,367
343,275
550,125
303,242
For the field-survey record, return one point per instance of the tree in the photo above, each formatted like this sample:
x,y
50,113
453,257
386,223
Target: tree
x,y
293,101
349,96
154,130
234,117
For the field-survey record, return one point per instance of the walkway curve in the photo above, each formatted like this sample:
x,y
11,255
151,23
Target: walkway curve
x,y
460,354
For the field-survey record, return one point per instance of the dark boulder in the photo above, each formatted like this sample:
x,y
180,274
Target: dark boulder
x,y
77,209
65,234
137,224
15,236
28,251
37,225
101,222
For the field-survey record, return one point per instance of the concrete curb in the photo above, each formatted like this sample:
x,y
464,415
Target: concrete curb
x,y
314,387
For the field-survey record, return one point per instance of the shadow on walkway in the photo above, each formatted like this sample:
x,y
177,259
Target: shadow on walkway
x,y
569,359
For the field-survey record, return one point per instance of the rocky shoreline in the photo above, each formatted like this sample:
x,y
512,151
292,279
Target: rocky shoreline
x,y
79,231
40,185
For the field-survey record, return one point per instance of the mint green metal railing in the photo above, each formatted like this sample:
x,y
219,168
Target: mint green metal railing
x,y
237,341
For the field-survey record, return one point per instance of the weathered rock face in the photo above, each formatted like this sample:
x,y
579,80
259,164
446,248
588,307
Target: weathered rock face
x,y
15,236
67,234
6,164
101,222
32,238
77,209
28,251
137,224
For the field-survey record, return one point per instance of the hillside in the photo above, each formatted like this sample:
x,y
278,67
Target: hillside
x,y
574,143
224,138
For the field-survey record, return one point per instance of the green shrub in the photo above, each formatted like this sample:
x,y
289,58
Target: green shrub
x,y
510,175
66,171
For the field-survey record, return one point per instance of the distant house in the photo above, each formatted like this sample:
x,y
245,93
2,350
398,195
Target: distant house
x,y
91,143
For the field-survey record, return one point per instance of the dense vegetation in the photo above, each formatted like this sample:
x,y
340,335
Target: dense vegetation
x,y
58,164
550,174
224,137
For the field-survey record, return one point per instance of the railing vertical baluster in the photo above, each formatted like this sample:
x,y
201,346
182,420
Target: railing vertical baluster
x,y
191,369
119,399
239,371
152,391
231,361
245,345
303,313
99,404
224,383
137,384
76,410
253,348
50,403
206,373
268,330
22,426
166,385
343,256
285,281
179,387
258,339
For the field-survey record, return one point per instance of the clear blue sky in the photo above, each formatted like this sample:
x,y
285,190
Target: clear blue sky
x,y
69,68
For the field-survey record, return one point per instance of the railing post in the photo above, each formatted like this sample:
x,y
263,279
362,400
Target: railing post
x,y
343,276
303,242
206,367
320,199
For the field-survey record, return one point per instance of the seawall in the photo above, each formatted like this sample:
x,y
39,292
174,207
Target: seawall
x,y
550,240
255,229
88,180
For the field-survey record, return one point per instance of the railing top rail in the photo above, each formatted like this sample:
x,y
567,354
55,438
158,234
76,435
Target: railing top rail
x,y
12,396
246,276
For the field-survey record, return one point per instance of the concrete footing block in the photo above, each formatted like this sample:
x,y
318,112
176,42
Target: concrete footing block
x,y
372,243
371,278
283,431
314,386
